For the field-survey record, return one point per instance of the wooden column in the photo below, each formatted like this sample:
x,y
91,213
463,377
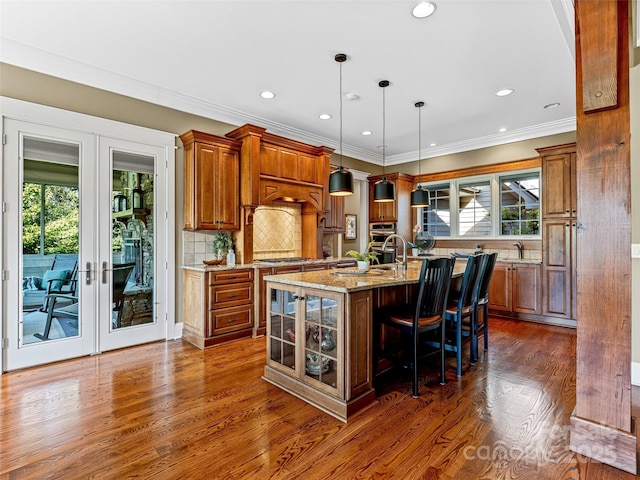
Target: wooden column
x,y
601,425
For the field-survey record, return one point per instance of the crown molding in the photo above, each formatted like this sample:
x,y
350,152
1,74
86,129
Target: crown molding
x,y
31,58
541,130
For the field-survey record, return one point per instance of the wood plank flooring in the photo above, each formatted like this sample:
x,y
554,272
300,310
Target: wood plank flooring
x,y
171,411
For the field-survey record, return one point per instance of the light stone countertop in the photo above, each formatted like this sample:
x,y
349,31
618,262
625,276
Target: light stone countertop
x,y
351,280
201,267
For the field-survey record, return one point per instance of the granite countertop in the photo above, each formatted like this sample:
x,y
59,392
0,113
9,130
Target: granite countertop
x,y
353,280
201,267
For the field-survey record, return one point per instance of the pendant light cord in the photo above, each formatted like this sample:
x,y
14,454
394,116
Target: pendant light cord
x,y
419,105
384,142
340,114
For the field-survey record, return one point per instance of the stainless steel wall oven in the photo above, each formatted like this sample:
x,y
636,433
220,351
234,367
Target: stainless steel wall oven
x,y
378,233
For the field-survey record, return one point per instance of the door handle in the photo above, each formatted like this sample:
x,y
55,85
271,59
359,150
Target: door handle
x,y
105,277
87,275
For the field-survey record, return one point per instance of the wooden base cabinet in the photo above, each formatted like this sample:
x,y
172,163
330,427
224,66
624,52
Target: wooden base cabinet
x,y
515,289
217,306
319,347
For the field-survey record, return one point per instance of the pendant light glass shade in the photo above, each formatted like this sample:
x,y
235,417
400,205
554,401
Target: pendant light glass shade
x,y
341,180
384,190
419,196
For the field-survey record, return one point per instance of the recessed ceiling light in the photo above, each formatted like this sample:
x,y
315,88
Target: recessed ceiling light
x,y
552,105
352,96
381,146
325,116
366,132
267,94
423,9
504,92
432,144
503,129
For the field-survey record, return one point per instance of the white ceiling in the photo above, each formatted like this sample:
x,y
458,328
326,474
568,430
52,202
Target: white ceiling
x,y
213,58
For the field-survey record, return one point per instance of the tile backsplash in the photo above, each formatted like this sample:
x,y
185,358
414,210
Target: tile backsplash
x,y
197,246
277,231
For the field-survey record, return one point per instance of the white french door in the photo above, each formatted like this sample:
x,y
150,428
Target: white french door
x,y
61,222
128,255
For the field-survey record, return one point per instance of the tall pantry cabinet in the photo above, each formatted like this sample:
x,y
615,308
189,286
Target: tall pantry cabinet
x,y
559,224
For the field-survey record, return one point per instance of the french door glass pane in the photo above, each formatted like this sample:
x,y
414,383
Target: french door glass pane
x,y
50,243
132,241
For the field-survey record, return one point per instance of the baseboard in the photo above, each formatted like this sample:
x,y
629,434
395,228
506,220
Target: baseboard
x,y
603,443
177,333
635,373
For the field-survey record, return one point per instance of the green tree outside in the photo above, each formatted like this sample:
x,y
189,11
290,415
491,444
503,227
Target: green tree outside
x,y
61,226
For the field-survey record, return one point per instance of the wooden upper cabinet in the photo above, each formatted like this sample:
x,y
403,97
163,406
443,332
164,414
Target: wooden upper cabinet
x,y
392,211
559,181
335,221
288,164
212,182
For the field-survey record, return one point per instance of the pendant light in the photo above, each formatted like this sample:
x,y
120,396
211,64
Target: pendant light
x,y
419,196
341,180
384,190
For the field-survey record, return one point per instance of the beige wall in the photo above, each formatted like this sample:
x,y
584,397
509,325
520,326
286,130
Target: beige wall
x,y
486,156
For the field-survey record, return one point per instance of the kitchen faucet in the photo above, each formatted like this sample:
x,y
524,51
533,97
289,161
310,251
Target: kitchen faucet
x,y
404,248
519,246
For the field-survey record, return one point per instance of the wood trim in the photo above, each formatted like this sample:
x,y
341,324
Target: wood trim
x,y
492,244
277,140
606,444
599,53
557,149
534,162
603,373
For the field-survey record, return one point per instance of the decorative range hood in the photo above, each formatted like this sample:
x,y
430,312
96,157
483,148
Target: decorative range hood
x,y
276,169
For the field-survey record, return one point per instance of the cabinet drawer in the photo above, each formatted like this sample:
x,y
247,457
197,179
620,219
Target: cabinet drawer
x,y
227,320
231,276
229,295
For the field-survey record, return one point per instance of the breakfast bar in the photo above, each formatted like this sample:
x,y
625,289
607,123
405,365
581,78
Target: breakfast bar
x,y
320,344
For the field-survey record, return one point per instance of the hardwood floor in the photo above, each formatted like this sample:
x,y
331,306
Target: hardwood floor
x,y
171,411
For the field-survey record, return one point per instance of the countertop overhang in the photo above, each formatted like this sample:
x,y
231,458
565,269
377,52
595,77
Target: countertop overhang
x,y
347,281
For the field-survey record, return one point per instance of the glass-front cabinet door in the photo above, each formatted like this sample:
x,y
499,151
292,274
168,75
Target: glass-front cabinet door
x,y
322,337
282,328
305,338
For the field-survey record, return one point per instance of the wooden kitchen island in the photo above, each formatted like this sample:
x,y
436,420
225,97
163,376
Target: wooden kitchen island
x,y
320,344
